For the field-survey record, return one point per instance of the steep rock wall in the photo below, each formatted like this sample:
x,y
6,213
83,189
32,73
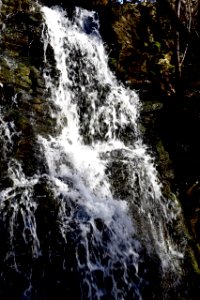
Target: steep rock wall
x,y
23,95
22,85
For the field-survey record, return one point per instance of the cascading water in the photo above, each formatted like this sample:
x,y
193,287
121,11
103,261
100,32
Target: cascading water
x,y
94,222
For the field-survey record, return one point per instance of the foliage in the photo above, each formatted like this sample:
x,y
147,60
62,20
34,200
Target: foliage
x,y
153,43
145,46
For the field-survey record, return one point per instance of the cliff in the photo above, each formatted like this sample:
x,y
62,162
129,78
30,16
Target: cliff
x,y
142,58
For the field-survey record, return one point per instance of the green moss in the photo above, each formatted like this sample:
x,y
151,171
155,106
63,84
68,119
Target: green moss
x,y
163,154
193,258
22,76
150,106
14,73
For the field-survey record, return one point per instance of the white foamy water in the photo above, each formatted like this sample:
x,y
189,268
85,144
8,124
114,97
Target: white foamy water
x,y
99,177
17,200
98,120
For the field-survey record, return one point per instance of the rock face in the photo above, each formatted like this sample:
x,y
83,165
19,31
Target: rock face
x,y
22,84
23,103
141,45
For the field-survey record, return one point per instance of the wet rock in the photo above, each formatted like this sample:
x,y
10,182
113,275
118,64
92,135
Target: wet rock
x,y
22,84
6,182
23,97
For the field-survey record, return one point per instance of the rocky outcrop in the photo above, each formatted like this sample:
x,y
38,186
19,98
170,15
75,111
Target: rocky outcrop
x,y
142,45
23,94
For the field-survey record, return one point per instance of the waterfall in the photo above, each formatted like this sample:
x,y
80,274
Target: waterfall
x,y
94,221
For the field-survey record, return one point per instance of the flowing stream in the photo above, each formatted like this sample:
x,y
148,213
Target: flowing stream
x,y
94,222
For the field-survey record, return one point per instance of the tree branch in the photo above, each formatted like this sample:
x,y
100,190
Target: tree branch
x,y
189,37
